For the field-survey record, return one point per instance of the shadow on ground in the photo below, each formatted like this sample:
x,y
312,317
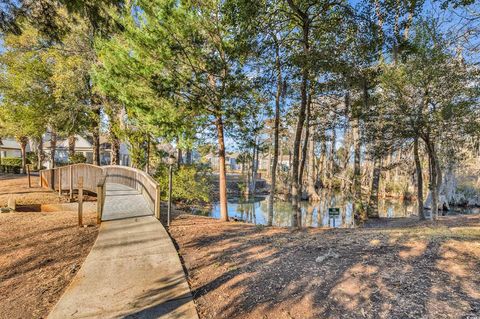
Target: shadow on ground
x,y
245,271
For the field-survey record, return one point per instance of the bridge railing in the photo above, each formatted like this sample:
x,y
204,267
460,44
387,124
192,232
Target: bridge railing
x,y
95,179
66,177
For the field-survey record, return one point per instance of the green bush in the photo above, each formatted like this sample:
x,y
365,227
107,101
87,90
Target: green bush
x,y
9,169
190,183
77,158
12,161
11,165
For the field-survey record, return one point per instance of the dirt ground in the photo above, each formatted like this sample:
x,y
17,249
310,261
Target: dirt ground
x,y
394,269
40,252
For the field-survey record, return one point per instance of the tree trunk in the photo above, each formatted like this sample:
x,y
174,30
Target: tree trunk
x,y
115,156
40,153
372,209
53,148
418,170
449,184
312,192
290,159
321,163
189,156
439,181
373,203
254,170
249,181
305,147
222,176
439,176
301,119
71,145
433,187
331,161
346,157
147,155
435,176
386,179
23,141
96,137
346,141
114,140
357,183
179,157
271,197
396,171
257,163
296,152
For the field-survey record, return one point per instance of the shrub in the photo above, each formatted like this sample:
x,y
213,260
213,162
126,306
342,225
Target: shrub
x,y
11,165
12,161
77,158
190,183
9,169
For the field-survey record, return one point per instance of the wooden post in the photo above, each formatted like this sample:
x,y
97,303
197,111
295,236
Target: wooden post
x,y
71,183
80,201
52,179
40,174
99,203
170,177
59,182
157,202
12,203
28,174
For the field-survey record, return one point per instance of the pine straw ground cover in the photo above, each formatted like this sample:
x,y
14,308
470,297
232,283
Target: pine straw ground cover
x,y
40,252
404,269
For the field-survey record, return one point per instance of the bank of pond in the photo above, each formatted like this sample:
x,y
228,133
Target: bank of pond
x,y
255,210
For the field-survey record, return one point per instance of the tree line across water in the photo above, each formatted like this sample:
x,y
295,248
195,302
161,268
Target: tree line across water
x,y
372,97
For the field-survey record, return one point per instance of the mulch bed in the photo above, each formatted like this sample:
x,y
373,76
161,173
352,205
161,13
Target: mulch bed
x,y
405,270
40,252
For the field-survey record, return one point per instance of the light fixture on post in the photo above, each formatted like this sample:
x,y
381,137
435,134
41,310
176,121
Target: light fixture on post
x,y
170,161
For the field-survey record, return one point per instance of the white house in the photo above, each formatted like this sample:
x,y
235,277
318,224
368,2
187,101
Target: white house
x,y
83,145
230,161
9,147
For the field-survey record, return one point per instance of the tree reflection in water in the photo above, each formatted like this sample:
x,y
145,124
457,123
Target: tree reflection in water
x,y
255,210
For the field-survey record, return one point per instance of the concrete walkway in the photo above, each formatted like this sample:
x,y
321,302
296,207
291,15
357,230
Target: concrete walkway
x,y
133,270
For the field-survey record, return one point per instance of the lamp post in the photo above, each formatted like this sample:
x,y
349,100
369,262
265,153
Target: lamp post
x,y
171,161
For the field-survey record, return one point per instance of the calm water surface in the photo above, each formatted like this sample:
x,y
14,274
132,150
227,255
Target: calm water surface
x,y
255,210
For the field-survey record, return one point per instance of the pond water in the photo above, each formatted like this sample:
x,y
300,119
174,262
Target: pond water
x,y
255,210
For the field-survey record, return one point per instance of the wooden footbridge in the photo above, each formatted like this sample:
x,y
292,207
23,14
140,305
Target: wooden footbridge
x,y
133,270
106,182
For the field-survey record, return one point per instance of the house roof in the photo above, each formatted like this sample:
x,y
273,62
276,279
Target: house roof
x,y
9,143
81,143
85,143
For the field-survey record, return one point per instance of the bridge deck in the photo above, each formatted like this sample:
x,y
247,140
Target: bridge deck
x,y
133,270
124,202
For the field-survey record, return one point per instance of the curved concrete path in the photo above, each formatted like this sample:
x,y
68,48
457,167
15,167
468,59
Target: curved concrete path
x,y
133,270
